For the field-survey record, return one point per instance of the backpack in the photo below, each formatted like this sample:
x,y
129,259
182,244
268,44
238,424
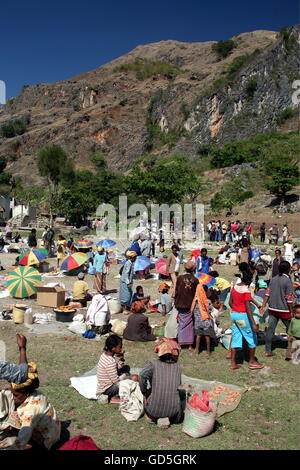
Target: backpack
x,y
261,267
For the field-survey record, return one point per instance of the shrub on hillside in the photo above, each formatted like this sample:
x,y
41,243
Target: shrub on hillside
x,y
223,48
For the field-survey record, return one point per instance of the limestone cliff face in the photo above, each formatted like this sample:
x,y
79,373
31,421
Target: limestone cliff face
x,y
111,109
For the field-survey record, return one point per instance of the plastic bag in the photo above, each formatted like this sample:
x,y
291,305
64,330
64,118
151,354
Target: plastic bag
x,y
199,403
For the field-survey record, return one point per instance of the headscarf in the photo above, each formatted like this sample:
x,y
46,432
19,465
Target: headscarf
x,y
167,346
100,249
201,298
131,254
163,287
32,375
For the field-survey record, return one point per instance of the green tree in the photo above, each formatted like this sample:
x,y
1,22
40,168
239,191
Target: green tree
x,y
54,164
223,48
98,160
233,193
169,181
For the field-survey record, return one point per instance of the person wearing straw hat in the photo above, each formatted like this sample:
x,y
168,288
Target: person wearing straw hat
x,y
99,264
126,281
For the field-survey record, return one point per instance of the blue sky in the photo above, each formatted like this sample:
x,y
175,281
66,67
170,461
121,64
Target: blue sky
x,y
51,41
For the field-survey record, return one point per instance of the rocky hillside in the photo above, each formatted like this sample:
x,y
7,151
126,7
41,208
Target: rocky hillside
x,y
159,97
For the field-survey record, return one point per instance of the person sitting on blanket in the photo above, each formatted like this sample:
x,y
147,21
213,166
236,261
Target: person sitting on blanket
x,y
139,296
110,371
26,416
138,328
165,303
162,401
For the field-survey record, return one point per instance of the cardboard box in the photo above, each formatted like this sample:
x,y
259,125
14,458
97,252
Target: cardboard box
x,y
50,296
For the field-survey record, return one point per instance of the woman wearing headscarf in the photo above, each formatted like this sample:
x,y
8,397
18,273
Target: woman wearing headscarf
x,y
26,416
162,401
184,294
126,281
138,328
203,321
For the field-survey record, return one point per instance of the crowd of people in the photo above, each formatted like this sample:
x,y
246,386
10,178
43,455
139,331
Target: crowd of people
x,y
231,231
264,288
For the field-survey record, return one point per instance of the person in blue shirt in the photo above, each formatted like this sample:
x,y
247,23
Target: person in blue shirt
x,y
203,262
100,268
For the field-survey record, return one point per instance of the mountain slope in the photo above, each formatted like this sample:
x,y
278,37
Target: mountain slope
x,y
111,110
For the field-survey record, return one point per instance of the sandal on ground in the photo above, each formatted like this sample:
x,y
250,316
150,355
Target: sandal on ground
x,y
270,354
256,366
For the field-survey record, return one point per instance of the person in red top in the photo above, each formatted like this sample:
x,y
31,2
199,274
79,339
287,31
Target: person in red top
x,y
244,326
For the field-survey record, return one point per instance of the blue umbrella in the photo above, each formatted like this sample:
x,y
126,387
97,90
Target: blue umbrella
x,y
141,263
106,243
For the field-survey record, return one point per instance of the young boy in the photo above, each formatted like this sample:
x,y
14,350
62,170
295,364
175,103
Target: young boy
x,y
139,296
293,349
222,285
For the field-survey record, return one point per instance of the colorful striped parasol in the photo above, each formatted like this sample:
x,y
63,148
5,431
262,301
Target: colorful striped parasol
x,y
106,243
84,244
34,256
206,279
23,281
73,261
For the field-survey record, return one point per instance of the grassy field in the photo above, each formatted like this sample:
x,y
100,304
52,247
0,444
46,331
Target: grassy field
x,y
266,417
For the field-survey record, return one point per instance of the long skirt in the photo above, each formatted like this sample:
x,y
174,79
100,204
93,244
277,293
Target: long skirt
x,y
125,294
185,327
100,282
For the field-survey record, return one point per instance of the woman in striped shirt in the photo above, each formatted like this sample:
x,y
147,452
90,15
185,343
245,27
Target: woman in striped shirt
x,y
109,371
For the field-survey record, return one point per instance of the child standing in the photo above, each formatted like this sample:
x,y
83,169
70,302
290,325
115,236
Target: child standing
x,y
293,349
244,326
109,371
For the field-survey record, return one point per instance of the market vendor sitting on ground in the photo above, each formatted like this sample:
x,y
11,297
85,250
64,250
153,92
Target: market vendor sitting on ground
x,y
81,291
138,328
162,401
26,417
165,303
109,370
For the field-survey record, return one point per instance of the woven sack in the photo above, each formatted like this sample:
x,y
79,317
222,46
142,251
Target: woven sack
x,y
198,423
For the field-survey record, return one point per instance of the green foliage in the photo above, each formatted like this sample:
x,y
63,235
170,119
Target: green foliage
x,y
146,69
223,48
98,160
289,39
54,164
169,180
80,197
285,114
250,88
279,164
243,151
282,177
13,128
233,193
